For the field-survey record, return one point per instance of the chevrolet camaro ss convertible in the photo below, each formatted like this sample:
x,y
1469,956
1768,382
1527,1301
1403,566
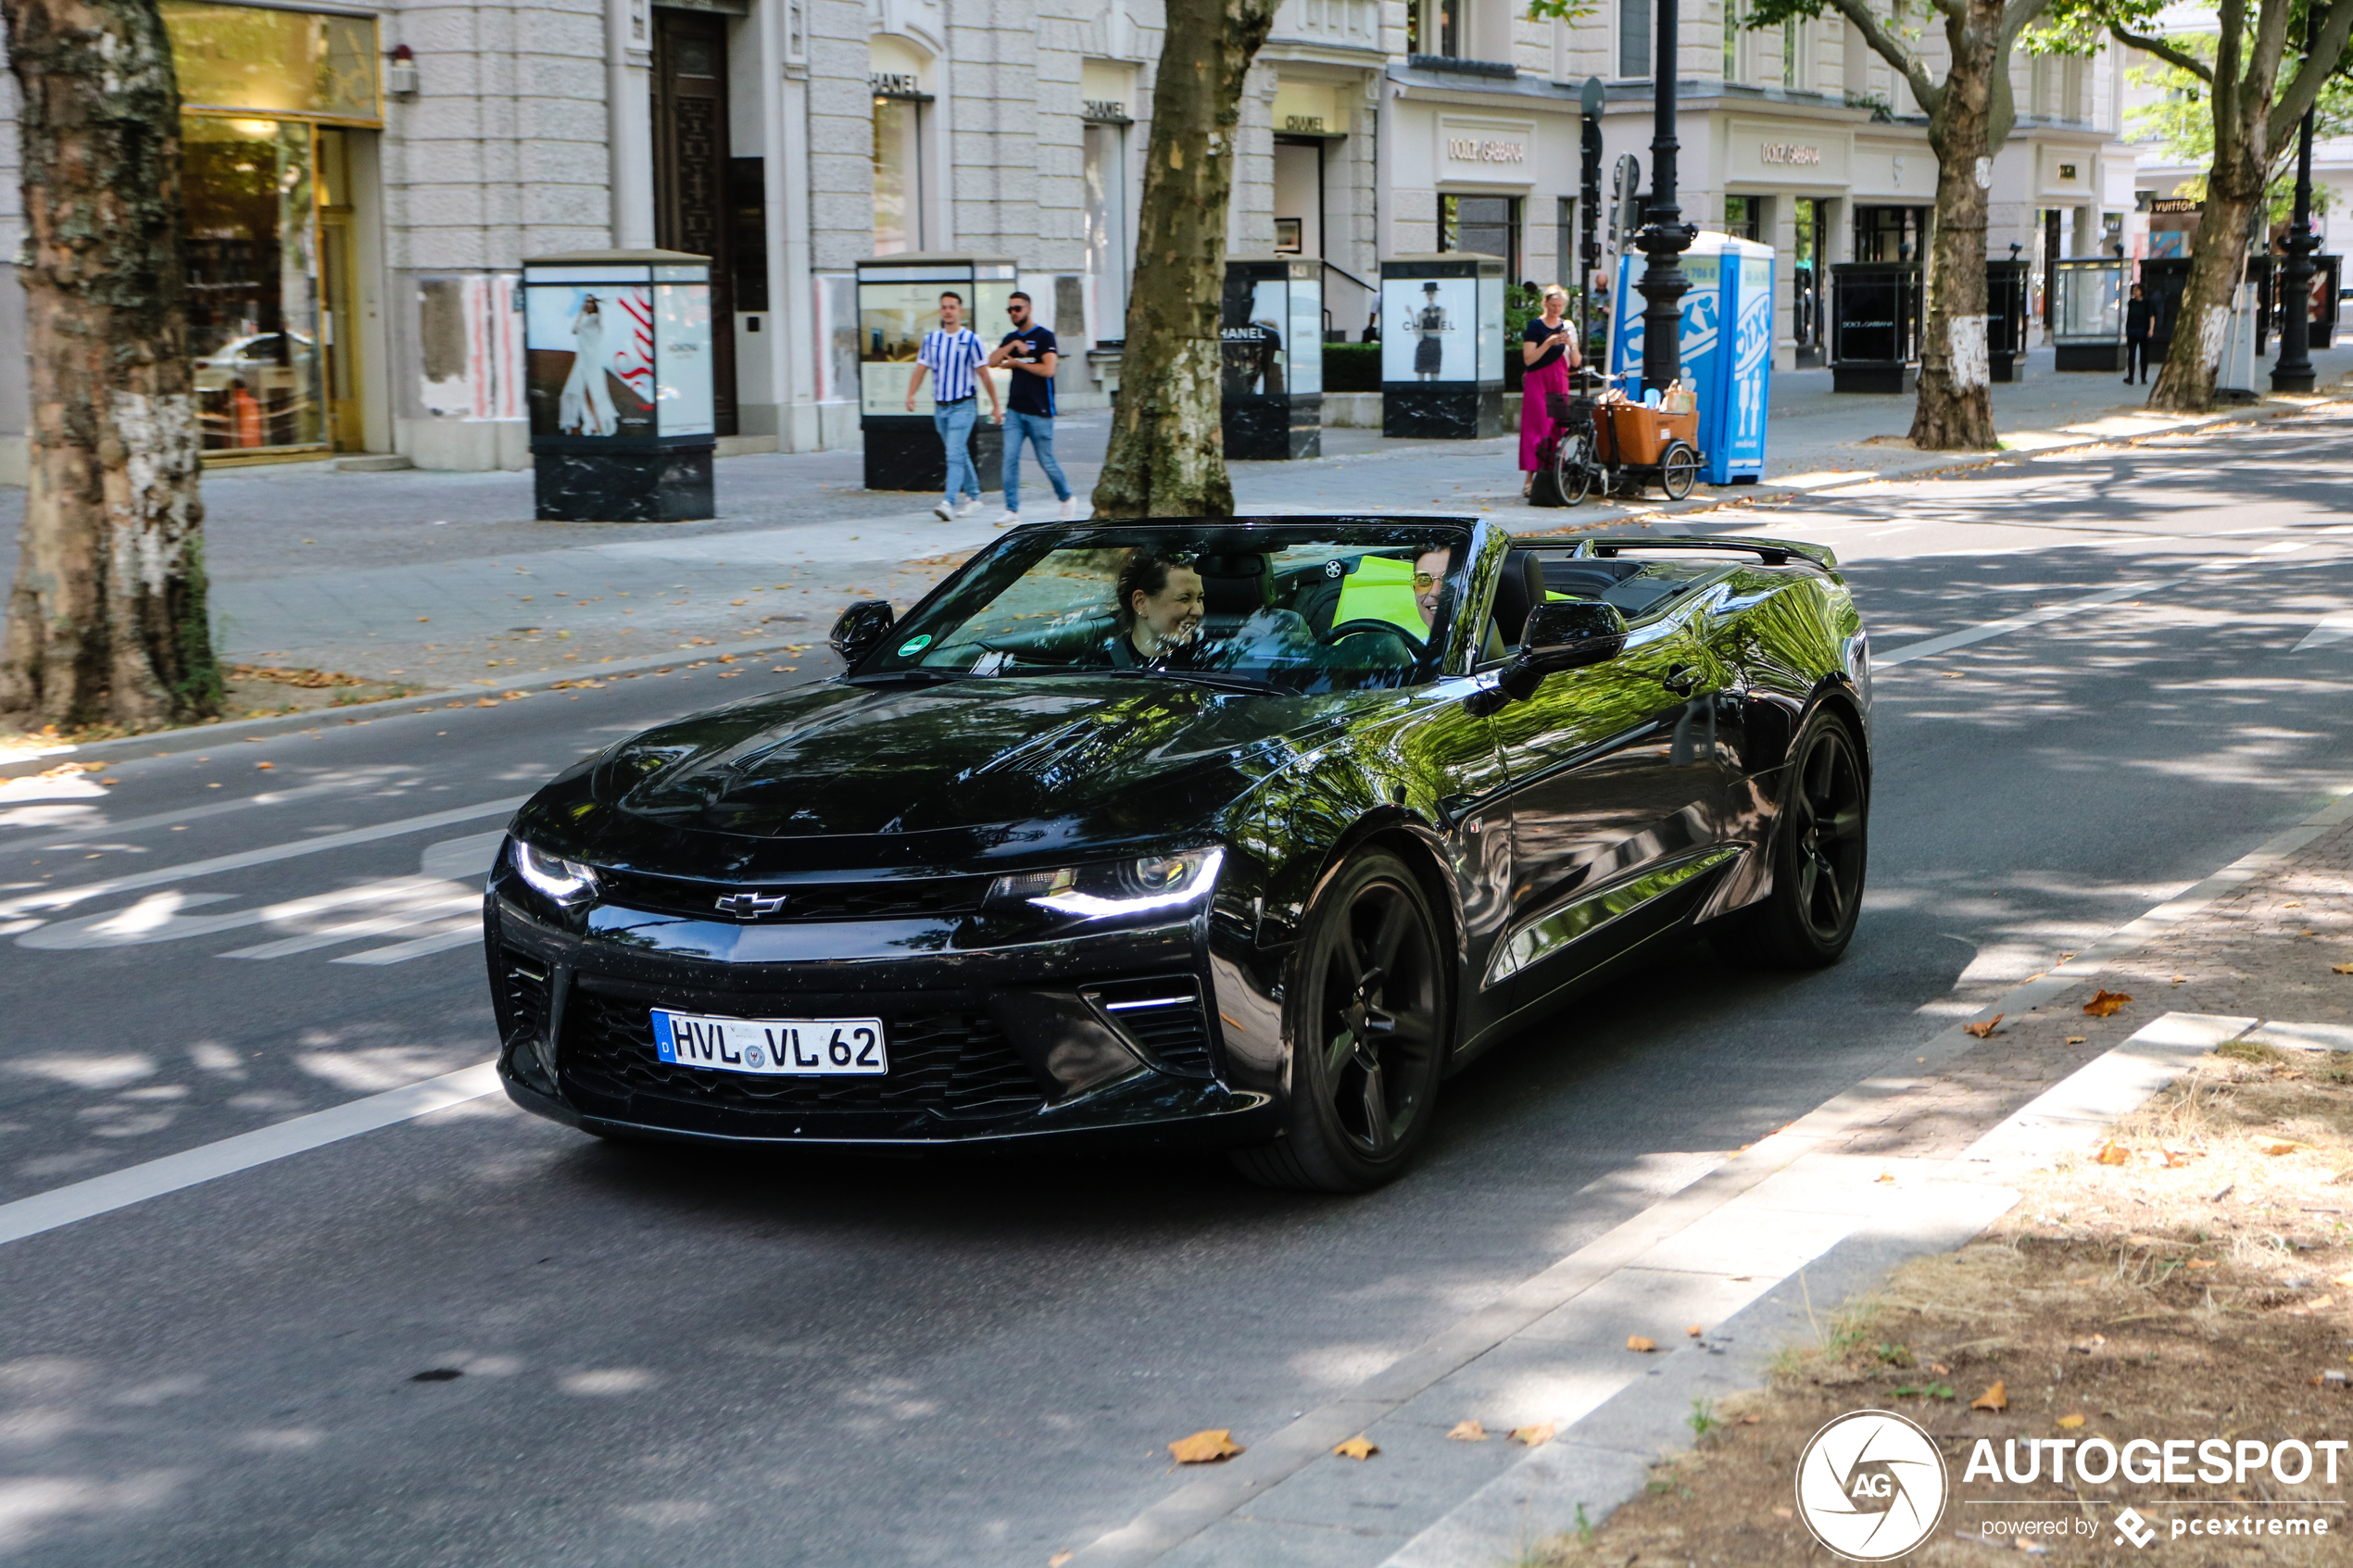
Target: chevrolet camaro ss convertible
x,y
1244,831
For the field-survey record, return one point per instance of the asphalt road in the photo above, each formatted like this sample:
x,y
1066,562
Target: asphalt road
x,y
676,1358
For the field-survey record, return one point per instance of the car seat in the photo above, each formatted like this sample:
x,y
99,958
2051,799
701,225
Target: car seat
x,y
1519,588
1233,588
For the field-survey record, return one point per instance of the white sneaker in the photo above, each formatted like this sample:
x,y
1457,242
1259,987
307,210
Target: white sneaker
x,y
1070,510
944,511
1011,519
969,507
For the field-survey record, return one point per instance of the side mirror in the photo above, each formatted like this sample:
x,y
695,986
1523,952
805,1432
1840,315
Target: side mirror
x,y
860,628
1560,634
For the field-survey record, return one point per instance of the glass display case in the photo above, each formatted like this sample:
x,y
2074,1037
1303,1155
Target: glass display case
x,y
616,383
1441,336
900,299
2088,296
1272,384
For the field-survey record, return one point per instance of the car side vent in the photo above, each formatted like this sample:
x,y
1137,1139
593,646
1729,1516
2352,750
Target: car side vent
x,y
520,998
1164,1016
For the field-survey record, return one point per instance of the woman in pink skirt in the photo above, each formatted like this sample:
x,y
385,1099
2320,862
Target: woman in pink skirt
x,y
1548,350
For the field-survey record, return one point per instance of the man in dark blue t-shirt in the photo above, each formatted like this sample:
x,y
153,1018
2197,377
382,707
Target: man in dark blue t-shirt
x,y
1029,352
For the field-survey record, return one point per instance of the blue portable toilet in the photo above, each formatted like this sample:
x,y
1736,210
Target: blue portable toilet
x,y
1731,281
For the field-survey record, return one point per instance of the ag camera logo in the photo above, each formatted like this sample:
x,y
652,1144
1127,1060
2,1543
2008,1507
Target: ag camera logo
x,y
1871,1486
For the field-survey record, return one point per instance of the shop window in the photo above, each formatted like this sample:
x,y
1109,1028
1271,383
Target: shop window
x,y
1434,27
1487,225
1731,40
1744,215
273,62
252,250
1794,76
1634,39
1106,181
898,176
1889,234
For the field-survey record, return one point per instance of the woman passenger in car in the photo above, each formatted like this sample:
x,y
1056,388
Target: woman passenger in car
x,y
1160,608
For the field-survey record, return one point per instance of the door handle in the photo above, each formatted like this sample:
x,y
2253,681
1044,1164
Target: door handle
x,y
1680,679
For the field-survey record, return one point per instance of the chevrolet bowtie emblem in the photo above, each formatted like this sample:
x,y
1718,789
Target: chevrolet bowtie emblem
x,y
751,903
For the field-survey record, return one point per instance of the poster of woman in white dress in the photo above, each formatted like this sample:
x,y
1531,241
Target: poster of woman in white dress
x,y
590,368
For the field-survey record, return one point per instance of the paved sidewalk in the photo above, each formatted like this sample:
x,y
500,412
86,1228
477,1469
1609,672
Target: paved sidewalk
x,y
1753,1254
443,579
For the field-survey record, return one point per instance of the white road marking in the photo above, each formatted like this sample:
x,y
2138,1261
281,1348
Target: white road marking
x,y
62,898
456,933
95,820
2334,629
1969,634
136,1183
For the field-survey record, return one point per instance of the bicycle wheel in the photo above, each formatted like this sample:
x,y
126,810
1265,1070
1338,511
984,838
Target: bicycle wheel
x,y
1677,470
1572,467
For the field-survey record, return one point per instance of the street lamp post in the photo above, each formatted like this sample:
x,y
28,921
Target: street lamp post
x,y
1664,237
2292,371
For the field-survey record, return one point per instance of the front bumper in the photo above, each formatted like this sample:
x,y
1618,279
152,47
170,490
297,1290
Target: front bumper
x,y
1122,1034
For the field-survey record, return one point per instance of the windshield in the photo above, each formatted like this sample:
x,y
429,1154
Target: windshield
x,y
1292,606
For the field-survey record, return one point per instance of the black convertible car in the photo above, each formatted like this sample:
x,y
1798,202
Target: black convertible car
x,y
1246,830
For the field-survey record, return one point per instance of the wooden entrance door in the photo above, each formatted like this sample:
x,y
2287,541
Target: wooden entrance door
x,y
690,173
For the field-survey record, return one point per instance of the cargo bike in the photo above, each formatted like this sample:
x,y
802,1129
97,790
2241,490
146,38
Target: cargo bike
x,y
1610,443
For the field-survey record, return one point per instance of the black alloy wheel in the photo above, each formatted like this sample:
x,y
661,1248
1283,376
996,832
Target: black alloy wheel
x,y
1572,467
1819,849
1370,1027
1677,470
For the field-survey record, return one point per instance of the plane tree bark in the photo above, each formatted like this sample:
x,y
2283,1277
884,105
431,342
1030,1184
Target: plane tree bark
x,y
1167,455
105,622
1970,116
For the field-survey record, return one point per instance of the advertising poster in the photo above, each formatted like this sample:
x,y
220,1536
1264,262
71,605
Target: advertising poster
x,y
682,321
1491,329
1255,328
893,318
1428,329
588,358
1306,336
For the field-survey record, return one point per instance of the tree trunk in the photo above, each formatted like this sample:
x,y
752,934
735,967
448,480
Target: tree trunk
x,y
1167,455
105,623
2218,261
1955,409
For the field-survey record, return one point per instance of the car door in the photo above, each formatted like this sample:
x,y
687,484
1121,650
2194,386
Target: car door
x,y
1619,778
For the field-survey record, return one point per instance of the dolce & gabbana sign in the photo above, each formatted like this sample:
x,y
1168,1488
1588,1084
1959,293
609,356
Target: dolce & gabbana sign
x,y
1789,153
1486,149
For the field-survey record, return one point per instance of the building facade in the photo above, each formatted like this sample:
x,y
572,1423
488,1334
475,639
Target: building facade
x,y
364,182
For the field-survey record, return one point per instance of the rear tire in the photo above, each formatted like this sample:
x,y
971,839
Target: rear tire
x,y
1572,467
1677,470
1818,852
1371,1025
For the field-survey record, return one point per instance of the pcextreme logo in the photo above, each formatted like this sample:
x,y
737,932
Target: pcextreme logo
x,y
1871,1486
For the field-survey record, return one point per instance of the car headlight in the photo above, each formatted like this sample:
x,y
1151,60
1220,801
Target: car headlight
x,y
1117,887
553,877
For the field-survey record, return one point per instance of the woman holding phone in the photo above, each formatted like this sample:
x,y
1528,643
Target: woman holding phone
x,y
1548,350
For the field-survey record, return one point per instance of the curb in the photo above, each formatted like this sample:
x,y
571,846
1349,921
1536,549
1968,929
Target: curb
x,y
1812,1221
197,737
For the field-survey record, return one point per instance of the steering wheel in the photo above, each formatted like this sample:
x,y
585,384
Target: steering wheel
x,y
1413,647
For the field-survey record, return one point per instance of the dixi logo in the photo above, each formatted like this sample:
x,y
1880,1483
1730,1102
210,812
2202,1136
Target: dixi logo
x,y
1871,1486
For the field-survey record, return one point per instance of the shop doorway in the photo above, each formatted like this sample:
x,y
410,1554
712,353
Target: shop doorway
x,y
1810,234
1299,197
691,209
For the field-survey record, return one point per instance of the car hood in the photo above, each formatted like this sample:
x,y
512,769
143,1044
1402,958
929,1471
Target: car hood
x,y
1058,758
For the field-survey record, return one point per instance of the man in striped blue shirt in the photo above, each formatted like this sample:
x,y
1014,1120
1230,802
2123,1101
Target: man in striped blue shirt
x,y
954,356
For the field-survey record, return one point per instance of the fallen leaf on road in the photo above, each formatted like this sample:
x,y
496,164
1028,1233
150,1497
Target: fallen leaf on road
x,y
1751,1419
2115,1154
2342,968
422,619
2069,1423
2319,1302
1636,1342
482,702
1059,1559
2103,1003
1884,1178
1356,1447
1984,1029
2175,1160
1784,1513
2283,1146
2200,1263
2343,1279
1696,1331
264,764
1206,1447
2076,1039
1996,1398
1469,1432
514,696
1533,1437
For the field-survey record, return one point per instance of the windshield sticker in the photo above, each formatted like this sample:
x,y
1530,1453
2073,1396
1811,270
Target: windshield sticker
x,y
914,644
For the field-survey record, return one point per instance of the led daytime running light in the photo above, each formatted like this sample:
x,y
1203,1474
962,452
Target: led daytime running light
x,y
553,877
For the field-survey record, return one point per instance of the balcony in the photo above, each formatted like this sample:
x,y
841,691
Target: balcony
x,y
1331,24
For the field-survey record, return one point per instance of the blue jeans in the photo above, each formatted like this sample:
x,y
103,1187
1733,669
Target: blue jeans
x,y
1039,431
954,422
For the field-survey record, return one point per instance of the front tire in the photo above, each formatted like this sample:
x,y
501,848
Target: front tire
x,y
1572,467
1370,1023
1818,857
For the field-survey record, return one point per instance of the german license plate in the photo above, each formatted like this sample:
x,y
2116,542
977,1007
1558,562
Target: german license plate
x,y
790,1047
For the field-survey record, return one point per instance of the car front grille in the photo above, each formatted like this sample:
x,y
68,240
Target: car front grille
x,y
951,1061
911,900
1165,1017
